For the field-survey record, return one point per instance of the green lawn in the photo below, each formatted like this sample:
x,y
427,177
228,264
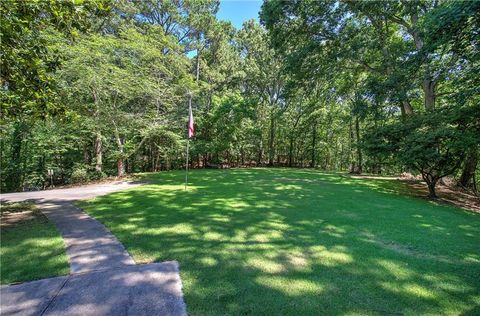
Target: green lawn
x,y
31,249
295,242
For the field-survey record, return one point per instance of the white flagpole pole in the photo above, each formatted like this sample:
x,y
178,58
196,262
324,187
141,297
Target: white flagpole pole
x,y
186,166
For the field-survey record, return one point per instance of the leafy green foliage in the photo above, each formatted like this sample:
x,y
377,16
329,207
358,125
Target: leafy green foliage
x,y
433,145
384,58
313,86
79,174
27,63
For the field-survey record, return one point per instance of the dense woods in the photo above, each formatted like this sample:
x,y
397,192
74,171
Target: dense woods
x,y
99,88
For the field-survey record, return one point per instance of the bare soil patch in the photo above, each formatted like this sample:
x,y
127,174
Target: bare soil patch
x,y
19,213
447,194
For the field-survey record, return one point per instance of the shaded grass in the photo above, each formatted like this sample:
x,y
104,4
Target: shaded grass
x,y
17,207
30,249
282,241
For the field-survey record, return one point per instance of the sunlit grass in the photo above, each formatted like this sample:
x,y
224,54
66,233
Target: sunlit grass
x,y
280,241
31,249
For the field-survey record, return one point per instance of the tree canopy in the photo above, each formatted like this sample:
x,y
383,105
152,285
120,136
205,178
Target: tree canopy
x,y
98,88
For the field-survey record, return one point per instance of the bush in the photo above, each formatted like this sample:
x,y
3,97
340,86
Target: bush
x,y
79,174
35,181
97,175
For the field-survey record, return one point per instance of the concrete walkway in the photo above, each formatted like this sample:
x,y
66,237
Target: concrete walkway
x,y
71,194
90,246
104,279
150,289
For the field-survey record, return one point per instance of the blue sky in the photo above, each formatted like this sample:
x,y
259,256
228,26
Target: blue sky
x,y
239,11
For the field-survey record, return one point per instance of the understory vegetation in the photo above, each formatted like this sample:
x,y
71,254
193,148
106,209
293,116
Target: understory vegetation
x,y
99,88
289,242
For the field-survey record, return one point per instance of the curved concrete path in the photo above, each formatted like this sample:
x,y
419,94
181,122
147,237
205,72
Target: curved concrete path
x,y
90,246
104,279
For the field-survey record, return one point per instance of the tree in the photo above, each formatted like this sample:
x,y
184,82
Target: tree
x,y
311,87
27,64
29,91
265,77
455,29
386,55
432,144
126,83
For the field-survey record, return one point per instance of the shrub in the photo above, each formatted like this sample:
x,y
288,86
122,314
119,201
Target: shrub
x,y
97,175
79,174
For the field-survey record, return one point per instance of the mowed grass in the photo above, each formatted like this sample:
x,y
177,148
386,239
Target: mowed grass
x,y
30,249
300,242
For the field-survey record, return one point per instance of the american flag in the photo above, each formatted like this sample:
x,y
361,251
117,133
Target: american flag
x,y
191,127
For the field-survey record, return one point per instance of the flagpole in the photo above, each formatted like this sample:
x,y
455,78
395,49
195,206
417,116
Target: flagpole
x,y
186,166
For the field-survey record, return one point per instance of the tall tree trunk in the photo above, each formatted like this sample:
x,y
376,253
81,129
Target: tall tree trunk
x,y
334,165
341,156
120,167
151,157
359,150
98,152
260,153
271,149
428,87
469,168
406,108
314,143
431,190
431,183
157,161
121,155
352,160
290,153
